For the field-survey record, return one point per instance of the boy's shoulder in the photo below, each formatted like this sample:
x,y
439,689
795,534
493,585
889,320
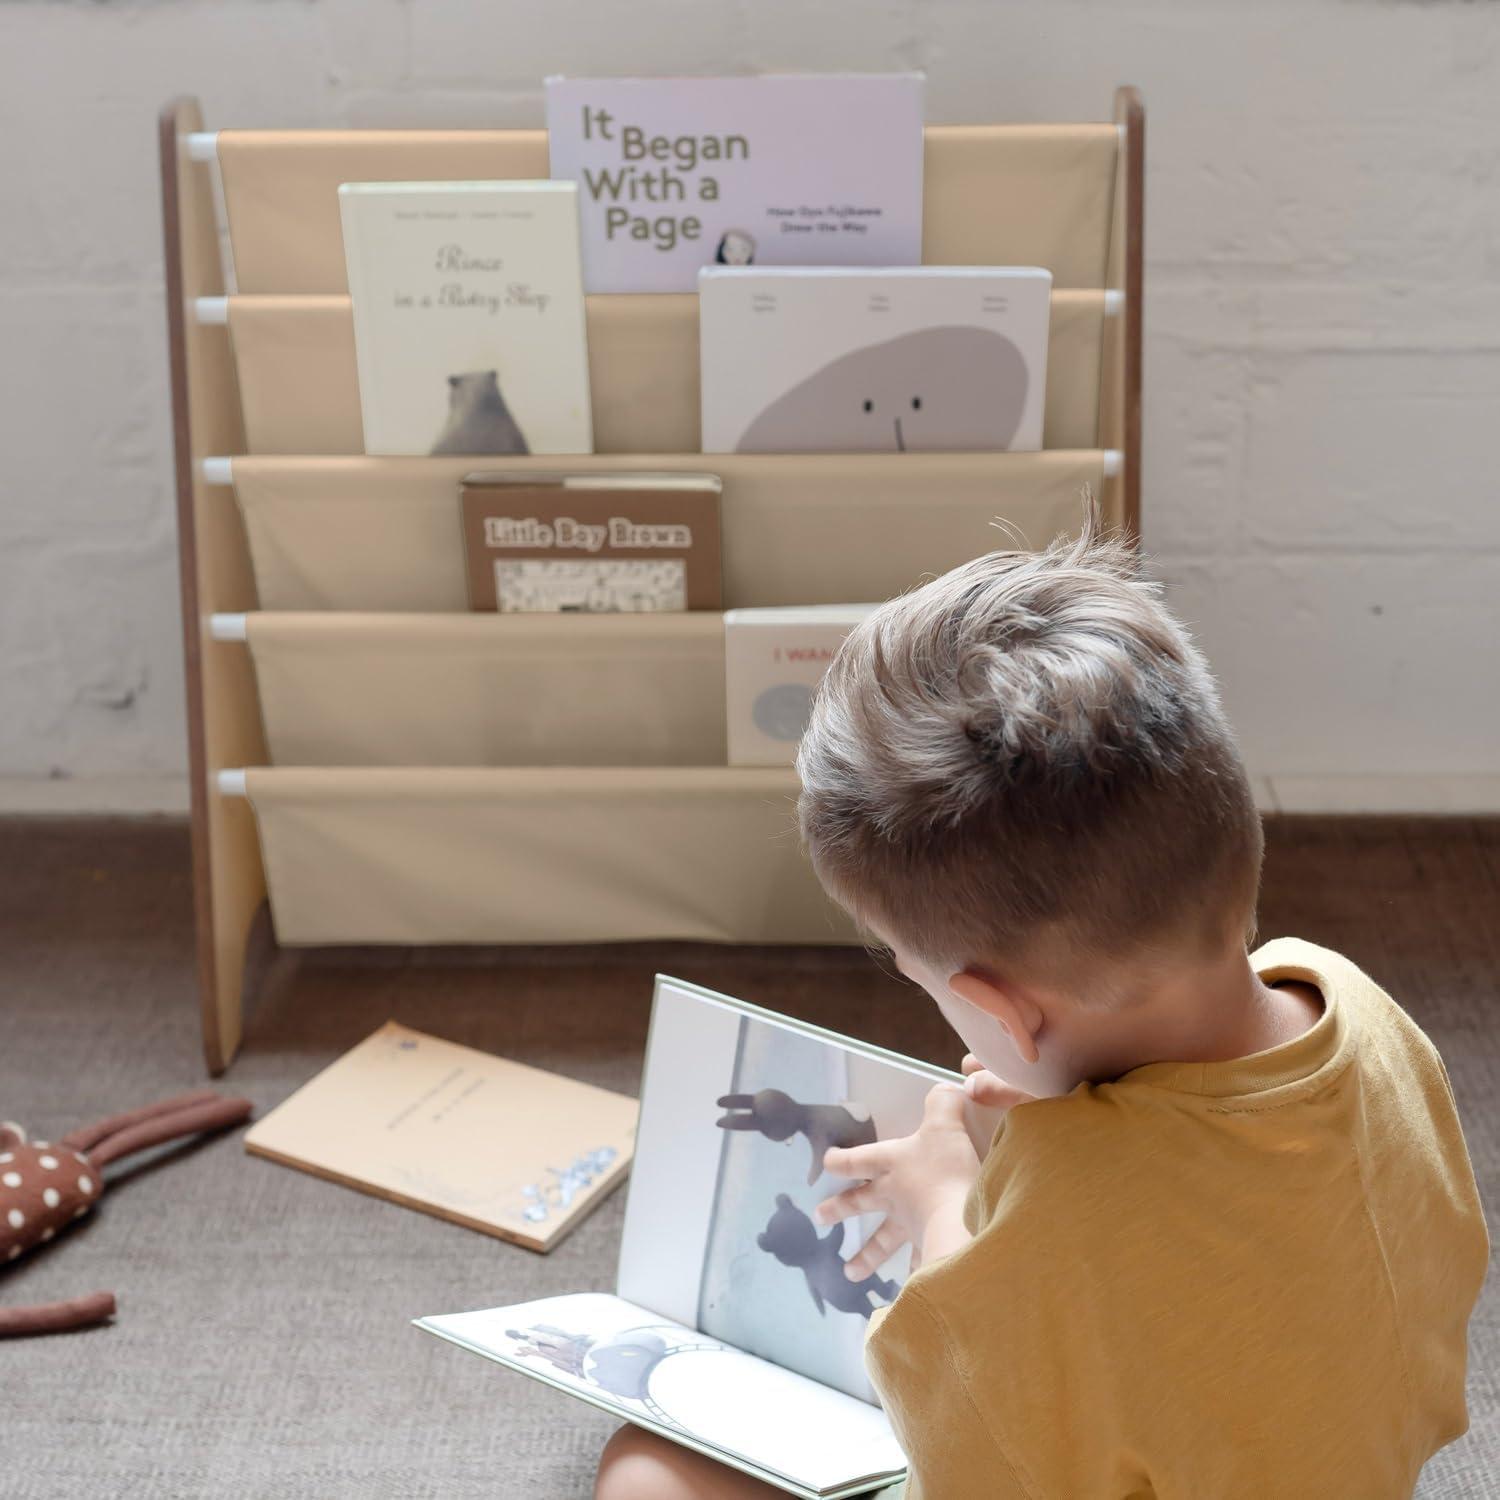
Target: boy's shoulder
x,y
1379,1030
1135,1150
1334,973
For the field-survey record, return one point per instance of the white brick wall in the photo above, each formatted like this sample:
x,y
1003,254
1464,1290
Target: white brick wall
x,y
1323,357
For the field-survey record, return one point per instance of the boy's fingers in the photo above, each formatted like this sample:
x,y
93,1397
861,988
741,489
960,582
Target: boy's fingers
x,y
944,1106
845,1205
970,1064
875,1251
994,1093
855,1161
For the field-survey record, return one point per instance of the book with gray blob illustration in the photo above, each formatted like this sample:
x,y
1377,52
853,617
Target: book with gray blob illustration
x,y
732,1328
469,329
926,359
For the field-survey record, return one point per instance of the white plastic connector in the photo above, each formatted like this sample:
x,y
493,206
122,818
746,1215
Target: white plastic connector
x,y
1114,303
232,784
203,145
1114,461
218,471
211,309
226,627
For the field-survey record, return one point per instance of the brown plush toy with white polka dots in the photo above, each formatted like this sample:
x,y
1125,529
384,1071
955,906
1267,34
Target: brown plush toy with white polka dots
x,y
43,1188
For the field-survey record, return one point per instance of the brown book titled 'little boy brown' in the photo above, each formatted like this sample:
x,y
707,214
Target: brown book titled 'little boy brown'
x,y
592,543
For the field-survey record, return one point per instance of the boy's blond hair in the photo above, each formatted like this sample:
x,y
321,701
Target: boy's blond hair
x,y
1028,754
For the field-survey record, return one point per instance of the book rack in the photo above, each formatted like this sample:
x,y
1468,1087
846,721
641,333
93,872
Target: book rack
x,y
387,768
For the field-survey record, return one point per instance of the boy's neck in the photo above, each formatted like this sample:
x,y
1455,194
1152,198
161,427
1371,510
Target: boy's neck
x,y
1211,1011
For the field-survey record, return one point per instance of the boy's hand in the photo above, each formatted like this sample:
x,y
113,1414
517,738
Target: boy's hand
x,y
918,1181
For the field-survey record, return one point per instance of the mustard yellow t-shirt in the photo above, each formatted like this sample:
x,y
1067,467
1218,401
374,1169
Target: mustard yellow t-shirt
x,y
1206,1281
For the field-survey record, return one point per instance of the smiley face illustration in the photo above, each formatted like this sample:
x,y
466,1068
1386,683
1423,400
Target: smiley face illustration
x,y
937,389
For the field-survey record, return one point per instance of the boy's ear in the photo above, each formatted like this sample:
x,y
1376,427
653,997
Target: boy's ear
x,y
1018,1016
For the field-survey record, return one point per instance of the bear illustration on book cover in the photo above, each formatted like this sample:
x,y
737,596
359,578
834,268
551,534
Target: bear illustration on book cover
x,y
478,420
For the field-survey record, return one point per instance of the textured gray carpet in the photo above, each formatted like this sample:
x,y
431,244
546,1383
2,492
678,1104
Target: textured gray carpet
x,y
262,1346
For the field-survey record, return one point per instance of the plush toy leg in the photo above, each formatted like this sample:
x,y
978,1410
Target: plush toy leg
x,y
90,1135
56,1317
211,1113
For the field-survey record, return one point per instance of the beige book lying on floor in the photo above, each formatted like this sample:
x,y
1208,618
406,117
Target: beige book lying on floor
x,y
507,1149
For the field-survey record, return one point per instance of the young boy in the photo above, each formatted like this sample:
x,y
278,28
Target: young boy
x,y
1227,1241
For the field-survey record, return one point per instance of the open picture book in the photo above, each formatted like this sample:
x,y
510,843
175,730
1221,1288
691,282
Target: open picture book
x,y
732,1328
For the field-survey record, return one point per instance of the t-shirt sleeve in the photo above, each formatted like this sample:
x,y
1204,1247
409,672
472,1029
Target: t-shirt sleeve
x,y
918,1370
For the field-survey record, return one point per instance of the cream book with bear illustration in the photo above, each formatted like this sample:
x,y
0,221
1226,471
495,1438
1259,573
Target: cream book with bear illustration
x,y
469,326
928,359
733,1328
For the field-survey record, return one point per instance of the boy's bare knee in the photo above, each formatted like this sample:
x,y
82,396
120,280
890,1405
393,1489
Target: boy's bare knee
x,y
634,1464
637,1465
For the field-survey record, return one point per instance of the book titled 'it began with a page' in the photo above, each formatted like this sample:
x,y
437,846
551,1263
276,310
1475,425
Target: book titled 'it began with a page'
x,y
468,316
733,1329
678,173
926,359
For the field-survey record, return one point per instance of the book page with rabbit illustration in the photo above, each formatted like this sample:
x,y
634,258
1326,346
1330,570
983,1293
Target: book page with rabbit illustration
x,y
737,1109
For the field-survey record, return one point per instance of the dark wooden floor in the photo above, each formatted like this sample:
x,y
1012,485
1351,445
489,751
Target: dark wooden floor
x,y
261,1346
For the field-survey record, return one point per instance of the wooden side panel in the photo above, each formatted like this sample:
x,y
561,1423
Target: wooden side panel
x,y
222,708
1121,365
